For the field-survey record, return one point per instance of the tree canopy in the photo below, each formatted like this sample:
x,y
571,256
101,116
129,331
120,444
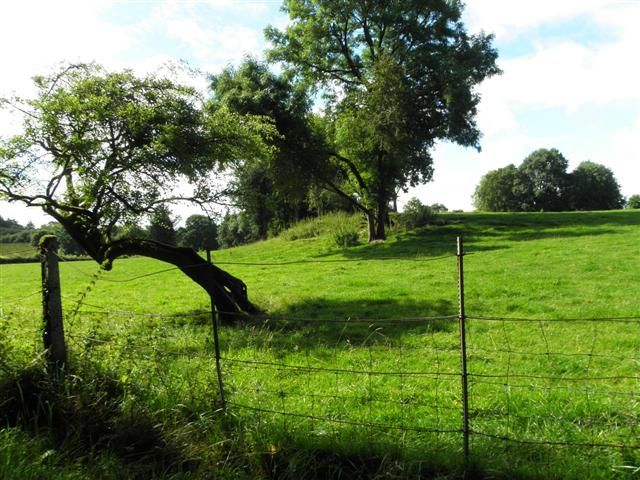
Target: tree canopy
x,y
200,233
594,187
397,76
541,183
99,149
633,202
271,191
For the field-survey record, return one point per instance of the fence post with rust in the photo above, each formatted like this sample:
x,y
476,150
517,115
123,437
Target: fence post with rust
x,y
463,354
53,329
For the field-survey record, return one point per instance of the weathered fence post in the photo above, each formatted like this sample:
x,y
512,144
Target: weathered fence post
x,y
53,330
463,354
216,345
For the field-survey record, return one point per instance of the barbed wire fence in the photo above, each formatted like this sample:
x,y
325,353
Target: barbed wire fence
x,y
478,385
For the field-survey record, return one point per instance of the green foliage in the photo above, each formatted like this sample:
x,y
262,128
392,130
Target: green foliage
x,y
498,191
67,244
541,183
633,201
346,238
12,232
116,146
416,215
272,191
165,370
594,187
325,226
237,229
200,233
396,77
162,226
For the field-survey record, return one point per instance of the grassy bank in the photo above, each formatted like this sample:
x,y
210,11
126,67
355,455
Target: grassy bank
x,y
345,373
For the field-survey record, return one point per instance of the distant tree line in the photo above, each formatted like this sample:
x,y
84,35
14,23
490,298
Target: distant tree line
x,y
199,232
542,183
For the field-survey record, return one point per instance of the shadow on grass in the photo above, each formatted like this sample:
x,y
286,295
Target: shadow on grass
x,y
332,324
82,416
439,239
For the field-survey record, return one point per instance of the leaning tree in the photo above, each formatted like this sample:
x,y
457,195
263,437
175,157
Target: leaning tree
x,y
101,149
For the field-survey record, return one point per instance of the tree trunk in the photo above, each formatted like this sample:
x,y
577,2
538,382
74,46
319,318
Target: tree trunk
x,y
376,224
228,292
371,225
381,220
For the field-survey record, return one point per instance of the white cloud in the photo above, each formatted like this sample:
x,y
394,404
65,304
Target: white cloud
x,y
624,157
509,18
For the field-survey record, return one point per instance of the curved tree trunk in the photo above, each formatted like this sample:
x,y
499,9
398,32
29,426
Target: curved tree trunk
x,y
228,292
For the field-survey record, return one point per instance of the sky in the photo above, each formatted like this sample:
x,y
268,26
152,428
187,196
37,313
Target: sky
x,y
571,72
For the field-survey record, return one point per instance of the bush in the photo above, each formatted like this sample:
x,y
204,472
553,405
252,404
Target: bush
x,y
346,238
634,201
416,215
309,228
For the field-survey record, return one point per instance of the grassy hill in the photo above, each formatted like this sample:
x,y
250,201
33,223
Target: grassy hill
x,y
350,371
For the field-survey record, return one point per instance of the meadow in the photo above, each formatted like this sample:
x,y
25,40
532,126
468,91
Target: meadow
x,y
352,368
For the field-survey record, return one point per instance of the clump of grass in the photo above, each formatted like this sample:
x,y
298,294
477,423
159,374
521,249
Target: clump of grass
x,y
342,227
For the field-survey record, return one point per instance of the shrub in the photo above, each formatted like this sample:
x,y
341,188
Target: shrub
x,y
346,238
634,201
415,215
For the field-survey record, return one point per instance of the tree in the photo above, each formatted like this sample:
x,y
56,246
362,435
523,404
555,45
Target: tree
x,y
498,191
112,148
633,202
162,226
544,181
199,233
271,191
397,77
594,187
237,229
541,183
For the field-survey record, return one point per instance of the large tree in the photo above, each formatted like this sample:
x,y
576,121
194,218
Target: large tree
x,y
398,76
499,191
273,191
541,183
101,149
594,187
544,181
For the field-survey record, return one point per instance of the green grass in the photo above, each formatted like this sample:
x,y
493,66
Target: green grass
x,y
17,250
553,381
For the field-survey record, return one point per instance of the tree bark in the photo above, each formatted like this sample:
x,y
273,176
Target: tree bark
x,y
381,220
228,292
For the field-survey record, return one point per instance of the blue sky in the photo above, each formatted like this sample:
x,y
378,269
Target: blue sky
x,y
571,72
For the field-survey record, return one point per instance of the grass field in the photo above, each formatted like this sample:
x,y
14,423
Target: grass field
x,y
345,374
13,250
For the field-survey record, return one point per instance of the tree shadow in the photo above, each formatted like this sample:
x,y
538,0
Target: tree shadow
x,y
439,239
81,413
321,323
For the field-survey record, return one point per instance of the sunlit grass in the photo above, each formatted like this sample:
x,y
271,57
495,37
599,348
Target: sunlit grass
x,y
547,266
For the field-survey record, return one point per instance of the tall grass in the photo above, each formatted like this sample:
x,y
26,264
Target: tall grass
x,y
319,362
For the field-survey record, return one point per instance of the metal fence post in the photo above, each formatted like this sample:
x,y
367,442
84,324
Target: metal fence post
x,y
216,345
463,353
53,330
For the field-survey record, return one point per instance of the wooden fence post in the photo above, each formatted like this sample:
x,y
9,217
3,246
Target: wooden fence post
x,y
53,330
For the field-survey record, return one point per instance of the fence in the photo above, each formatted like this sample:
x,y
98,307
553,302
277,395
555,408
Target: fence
x,y
525,392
